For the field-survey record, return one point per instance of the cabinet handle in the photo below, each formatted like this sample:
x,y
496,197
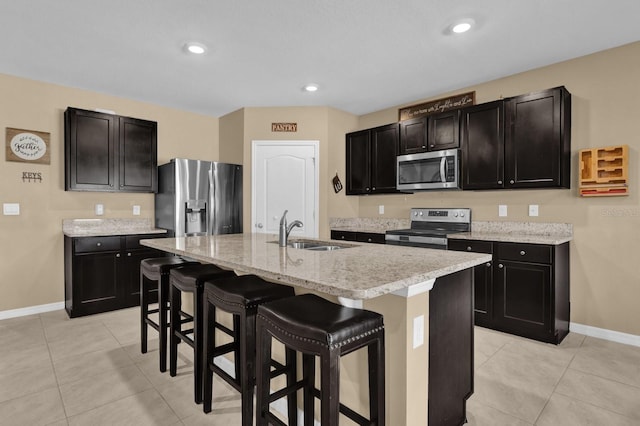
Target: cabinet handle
x,y
488,264
433,145
128,254
374,188
118,255
366,189
522,253
468,248
512,181
424,146
98,244
500,265
342,237
368,240
499,182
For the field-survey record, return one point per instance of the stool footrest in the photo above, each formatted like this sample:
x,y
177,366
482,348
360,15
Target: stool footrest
x,y
225,349
273,420
348,412
224,329
286,391
226,377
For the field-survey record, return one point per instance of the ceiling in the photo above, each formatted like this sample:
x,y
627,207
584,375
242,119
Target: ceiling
x,y
365,55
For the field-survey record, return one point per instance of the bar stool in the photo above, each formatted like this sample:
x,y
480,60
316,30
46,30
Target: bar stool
x,y
241,297
317,327
189,279
154,275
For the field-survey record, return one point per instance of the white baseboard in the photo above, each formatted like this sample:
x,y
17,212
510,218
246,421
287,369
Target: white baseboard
x,y
31,310
603,333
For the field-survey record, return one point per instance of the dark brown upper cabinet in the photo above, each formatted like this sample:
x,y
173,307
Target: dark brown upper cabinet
x,y
519,142
430,133
371,160
105,152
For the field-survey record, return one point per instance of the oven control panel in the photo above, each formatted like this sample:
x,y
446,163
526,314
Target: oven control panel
x,y
459,215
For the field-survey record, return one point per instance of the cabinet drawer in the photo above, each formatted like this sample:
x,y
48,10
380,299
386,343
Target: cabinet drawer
x,y
370,237
133,241
96,244
343,235
525,252
469,245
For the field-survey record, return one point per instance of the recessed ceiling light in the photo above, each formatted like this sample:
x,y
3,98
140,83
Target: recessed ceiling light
x,y
310,87
195,48
461,26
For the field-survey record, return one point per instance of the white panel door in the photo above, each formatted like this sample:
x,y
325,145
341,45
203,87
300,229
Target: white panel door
x,y
285,177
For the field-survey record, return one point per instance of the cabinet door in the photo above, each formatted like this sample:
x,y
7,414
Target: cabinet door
x,y
523,299
444,130
482,143
343,235
95,282
138,155
131,276
413,136
358,163
384,147
90,151
535,145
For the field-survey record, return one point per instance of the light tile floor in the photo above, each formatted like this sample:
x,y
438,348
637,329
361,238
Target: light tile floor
x,y
89,371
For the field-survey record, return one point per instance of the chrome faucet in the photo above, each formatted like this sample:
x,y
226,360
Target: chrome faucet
x,y
286,230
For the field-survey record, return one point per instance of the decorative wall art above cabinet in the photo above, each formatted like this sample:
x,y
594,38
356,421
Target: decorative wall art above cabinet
x,y
109,153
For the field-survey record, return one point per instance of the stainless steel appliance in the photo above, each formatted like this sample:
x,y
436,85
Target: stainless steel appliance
x,y
429,170
429,228
199,198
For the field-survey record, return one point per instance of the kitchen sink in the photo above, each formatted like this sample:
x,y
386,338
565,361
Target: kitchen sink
x,y
314,245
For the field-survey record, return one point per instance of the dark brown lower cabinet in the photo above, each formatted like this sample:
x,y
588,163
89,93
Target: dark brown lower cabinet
x,y
103,273
525,291
363,237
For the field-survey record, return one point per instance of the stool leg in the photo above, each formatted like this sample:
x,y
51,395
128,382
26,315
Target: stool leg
x,y
330,387
175,304
263,376
309,374
197,340
376,381
208,343
236,353
163,300
292,400
247,350
144,313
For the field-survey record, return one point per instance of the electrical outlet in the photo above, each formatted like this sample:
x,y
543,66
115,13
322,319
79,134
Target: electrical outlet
x,y
11,209
502,210
418,331
136,210
533,210
99,209
380,209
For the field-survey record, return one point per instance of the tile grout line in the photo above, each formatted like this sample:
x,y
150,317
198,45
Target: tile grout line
x,y
55,374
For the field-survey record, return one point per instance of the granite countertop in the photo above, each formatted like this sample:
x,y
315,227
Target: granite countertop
x,y
518,232
358,271
106,227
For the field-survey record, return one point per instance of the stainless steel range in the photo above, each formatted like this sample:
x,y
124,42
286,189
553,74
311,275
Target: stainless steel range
x,y
429,228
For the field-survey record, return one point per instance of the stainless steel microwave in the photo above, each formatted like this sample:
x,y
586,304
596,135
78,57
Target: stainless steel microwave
x,y
429,170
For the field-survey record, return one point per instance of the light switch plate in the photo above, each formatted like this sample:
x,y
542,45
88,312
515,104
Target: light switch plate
x,y
11,209
502,210
533,210
99,209
136,210
380,209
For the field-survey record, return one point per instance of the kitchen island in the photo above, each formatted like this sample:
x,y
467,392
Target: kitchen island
x,y
425,296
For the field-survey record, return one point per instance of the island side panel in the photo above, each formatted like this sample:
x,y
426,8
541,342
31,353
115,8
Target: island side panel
x,y
450,348
406,367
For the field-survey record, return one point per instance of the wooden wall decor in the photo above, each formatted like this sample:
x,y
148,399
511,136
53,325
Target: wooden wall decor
x,y
604,171
27,146
439,105
284,127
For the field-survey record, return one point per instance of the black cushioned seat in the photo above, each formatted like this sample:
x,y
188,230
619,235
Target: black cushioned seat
x,y
240,296
154,276
190,279
318,327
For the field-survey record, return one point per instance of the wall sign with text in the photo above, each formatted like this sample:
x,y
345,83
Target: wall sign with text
x,y
440,105
284,127
27,146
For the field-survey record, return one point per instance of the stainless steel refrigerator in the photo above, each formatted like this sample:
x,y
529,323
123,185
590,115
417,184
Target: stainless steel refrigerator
x,y
199,198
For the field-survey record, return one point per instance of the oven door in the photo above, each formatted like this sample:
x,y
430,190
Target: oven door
x,y
416,241
428,170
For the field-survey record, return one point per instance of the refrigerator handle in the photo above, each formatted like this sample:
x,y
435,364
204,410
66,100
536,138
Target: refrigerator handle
x,y
211,212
